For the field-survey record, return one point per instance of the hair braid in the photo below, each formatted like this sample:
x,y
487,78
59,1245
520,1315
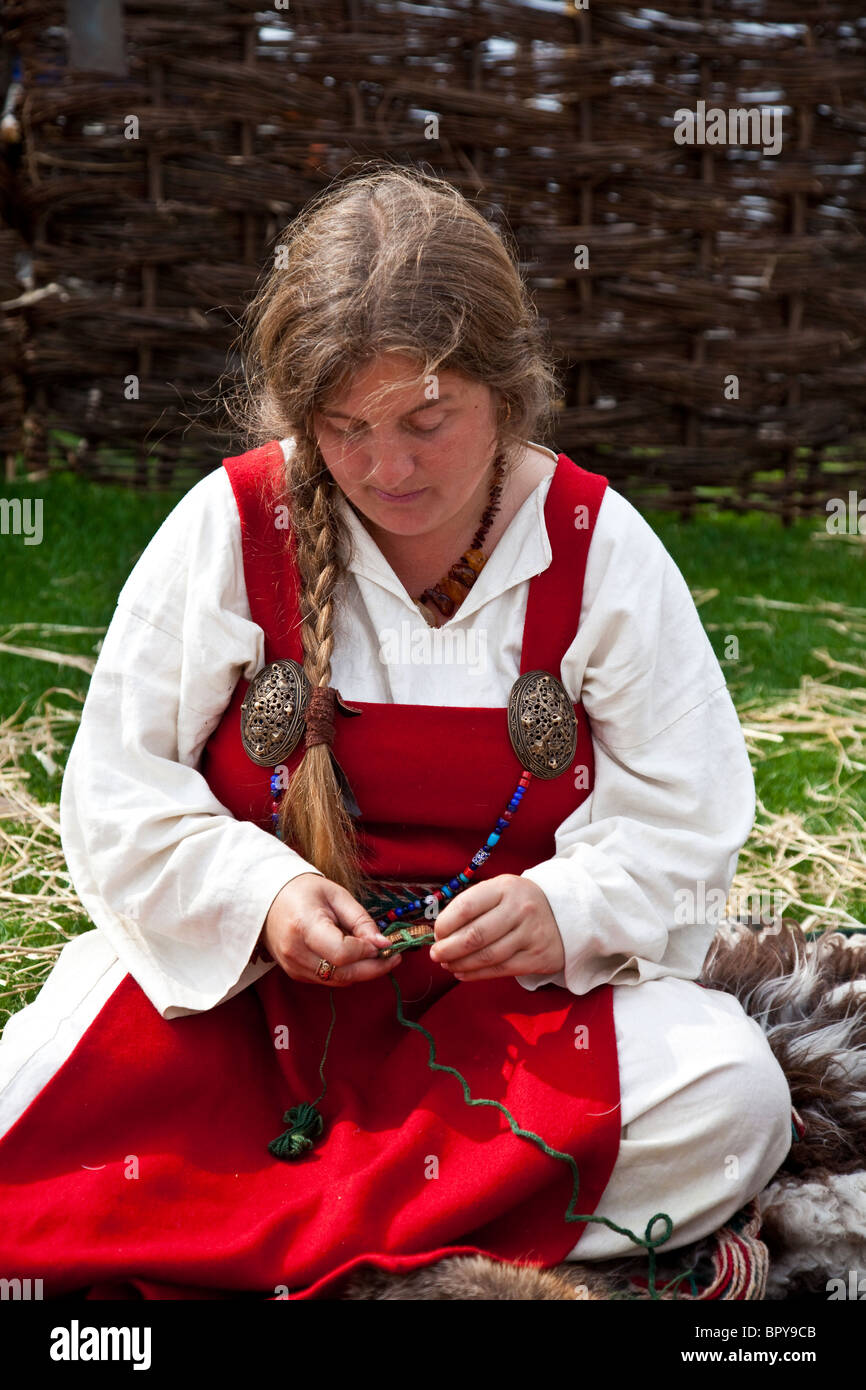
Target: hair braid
x,y
313,816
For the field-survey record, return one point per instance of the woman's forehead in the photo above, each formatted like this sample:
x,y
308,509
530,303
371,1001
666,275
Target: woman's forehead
x,y
396,387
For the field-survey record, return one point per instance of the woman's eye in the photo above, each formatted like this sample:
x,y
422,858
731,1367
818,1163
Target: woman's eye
x,y
353,431
426,429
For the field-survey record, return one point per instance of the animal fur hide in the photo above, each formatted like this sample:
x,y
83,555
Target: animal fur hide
x,y
810,999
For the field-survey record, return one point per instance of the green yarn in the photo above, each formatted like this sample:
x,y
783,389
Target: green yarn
x,y
647,1242
304,1121
404,942
306,1126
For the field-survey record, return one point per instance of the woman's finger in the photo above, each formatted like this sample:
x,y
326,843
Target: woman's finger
x,y
353,970
489,957
324,940
364,970
354,958
515,965
469,904
477,935
351,916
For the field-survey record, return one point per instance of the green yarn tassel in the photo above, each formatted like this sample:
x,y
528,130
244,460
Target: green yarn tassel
x,y
304,1121
305,1125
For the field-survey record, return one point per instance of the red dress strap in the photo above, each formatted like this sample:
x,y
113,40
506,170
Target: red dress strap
x,y
556,595
270,565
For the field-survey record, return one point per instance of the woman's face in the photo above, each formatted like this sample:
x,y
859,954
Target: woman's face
x,y
416,460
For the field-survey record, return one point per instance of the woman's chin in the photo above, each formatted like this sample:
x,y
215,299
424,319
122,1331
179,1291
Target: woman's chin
x,y
406,520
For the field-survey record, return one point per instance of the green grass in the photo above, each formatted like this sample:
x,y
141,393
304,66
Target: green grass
x,y
92,536
752,555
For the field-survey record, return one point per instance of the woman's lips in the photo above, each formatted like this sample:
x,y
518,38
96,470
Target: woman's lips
x,y
400,497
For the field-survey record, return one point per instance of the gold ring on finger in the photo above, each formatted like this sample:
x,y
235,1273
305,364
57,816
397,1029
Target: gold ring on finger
x,y
325,970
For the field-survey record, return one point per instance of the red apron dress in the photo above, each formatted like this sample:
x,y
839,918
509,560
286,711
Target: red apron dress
x,y
142,1169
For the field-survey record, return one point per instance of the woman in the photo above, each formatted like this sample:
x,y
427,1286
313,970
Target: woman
x,y
432,654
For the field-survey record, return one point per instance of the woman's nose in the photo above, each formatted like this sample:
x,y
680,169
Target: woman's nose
x,y
390,472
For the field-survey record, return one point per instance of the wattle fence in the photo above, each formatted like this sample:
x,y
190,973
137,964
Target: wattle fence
x,y
701,271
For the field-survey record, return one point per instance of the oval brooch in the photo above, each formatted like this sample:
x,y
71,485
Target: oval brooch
x,y
542,724
273,712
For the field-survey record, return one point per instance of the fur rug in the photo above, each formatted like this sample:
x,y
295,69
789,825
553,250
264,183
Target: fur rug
x,y
810,999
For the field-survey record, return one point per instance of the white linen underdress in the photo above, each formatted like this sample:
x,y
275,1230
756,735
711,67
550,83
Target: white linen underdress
x,y
179,890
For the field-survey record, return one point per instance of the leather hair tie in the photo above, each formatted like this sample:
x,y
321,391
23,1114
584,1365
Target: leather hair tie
x,y
323,702
320,716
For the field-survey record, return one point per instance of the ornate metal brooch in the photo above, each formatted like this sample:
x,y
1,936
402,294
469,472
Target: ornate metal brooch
x,y
272,712
542,724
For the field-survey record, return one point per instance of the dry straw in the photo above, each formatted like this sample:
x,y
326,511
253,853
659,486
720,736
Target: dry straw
x,y
39,908
816,874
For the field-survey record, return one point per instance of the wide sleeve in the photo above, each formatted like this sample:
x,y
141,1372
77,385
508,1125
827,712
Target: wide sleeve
x,y
635,881
177,884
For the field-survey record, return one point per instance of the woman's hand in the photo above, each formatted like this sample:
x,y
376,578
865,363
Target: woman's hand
x,y
314,919
503,926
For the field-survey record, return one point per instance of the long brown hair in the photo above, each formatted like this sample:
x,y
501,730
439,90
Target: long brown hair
x,y
390,259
